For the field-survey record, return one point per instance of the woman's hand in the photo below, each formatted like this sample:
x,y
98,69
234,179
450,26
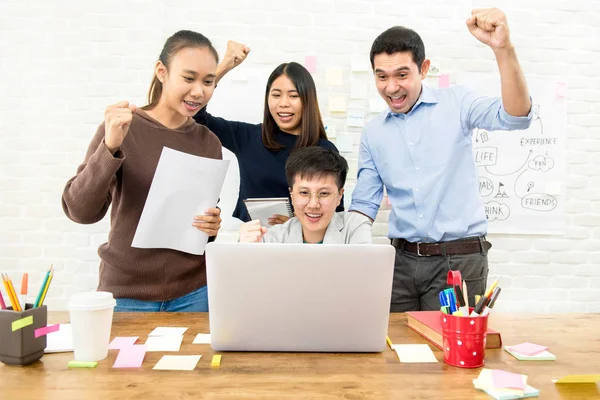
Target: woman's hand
x,y
209,223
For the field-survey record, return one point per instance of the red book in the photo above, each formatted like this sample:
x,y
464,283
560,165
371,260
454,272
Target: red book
x,y
429,325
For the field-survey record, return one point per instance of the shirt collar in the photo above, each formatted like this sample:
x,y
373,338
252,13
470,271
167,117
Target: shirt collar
x,y
427,97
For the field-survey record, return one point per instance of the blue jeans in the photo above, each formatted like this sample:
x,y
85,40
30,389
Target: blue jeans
x,y
196,301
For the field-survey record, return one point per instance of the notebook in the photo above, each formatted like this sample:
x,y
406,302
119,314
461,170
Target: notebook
x,y
265,208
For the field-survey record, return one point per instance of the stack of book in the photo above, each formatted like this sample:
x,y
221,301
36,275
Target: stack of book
x,y
429,325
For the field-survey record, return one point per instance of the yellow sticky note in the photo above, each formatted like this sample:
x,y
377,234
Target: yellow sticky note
x,y
21,323
587,378
334,76
337,104
216,361
82,364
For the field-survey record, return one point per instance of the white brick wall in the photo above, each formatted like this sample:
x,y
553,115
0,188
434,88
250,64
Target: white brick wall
x,y
62,62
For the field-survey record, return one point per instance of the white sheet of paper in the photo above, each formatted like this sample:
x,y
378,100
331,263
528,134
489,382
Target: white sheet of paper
x,y
182,363
164,343
202,338
356,119
167,331
60,341
344,143
415,353
183,186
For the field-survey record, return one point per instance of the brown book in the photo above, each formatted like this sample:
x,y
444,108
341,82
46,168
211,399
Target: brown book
x,y
429,325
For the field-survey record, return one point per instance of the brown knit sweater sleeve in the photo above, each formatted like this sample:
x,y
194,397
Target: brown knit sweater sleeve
x,y
87,195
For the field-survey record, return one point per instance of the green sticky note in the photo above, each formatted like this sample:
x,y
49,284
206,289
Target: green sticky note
x,y
22,323
82,364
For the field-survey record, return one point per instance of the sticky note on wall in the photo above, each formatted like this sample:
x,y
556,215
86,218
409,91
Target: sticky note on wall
x,y
337,104
310,63
334,77
330,130
344,143
356,119
360,65
444,81
561,89
358,90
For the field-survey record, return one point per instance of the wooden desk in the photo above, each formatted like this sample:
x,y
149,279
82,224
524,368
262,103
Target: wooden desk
x,y
575,339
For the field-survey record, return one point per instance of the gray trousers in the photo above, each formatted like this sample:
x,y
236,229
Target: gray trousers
x,y
418,280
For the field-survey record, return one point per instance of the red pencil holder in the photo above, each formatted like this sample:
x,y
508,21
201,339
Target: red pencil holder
x,y
464,340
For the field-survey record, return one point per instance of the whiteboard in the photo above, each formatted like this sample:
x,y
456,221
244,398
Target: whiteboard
x,y
239,96
521,173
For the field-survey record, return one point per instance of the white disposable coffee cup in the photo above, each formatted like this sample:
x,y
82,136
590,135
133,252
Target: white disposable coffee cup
x,y
91,321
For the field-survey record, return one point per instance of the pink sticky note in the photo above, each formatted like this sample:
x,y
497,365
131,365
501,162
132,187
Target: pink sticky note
x,y
122,342
561,89
46,330
528,349
311,64
507,380
131,357
444,81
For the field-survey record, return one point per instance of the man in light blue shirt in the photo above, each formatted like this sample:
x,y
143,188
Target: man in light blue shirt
x,y
420,149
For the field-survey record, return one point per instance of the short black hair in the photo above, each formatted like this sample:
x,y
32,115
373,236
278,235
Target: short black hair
x,y
316,162
399,39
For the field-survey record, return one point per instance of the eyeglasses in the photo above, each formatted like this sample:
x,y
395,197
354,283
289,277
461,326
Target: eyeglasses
x,y
303,197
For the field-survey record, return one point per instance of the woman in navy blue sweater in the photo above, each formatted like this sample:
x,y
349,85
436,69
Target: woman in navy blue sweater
x,y
291,120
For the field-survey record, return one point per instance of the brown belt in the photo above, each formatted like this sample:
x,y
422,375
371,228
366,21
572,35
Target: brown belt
x,y
463,246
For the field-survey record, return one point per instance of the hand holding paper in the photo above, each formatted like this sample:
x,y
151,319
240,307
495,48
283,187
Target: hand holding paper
x,y
184,185
210,222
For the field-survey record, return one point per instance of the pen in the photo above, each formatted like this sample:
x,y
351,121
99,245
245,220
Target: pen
x,y
389,342
479,307
490,305
460,299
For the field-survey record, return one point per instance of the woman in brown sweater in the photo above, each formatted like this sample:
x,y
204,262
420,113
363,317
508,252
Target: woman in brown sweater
x,y
118,170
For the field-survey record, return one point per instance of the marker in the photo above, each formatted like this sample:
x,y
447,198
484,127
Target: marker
x,y
389,342
449,293
460,299
479,307
495,295
24,282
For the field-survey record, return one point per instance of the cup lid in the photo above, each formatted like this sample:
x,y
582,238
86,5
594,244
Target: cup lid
x,y
92,301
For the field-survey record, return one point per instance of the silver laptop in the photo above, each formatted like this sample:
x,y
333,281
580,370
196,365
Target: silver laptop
x,y
299,297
